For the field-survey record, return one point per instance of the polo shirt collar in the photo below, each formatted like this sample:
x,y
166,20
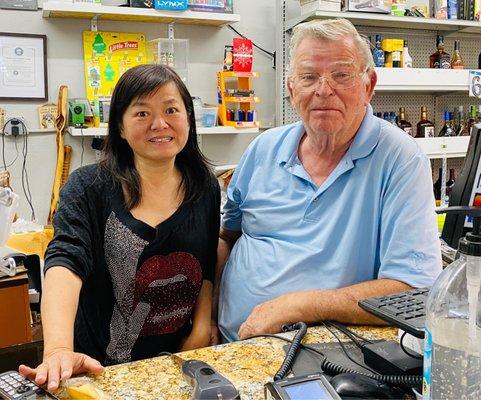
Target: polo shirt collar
x,y
363,144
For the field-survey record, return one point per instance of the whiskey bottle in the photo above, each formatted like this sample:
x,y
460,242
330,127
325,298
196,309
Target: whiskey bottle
x,y
456,60
440,59
437,186
403,124
425,128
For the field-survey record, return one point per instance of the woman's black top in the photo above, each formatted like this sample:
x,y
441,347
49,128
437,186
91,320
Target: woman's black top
x,y
140,283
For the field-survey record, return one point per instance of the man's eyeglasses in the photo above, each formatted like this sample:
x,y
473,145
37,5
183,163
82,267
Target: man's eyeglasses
x,y
336,79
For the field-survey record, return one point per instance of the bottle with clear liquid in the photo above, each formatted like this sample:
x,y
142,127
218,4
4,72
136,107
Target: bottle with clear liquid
x,y
452,353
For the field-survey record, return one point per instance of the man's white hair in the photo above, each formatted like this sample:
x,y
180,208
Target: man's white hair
x,y
332,30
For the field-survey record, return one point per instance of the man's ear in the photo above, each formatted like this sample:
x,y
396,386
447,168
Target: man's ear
x,y
289,87
371,84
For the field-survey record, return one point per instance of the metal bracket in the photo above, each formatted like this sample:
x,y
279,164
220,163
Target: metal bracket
x,y
93,23
171,31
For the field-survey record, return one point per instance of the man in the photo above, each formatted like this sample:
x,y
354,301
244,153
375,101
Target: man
x,y
330,210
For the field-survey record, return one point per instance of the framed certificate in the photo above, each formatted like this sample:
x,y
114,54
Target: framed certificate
x,y
23,66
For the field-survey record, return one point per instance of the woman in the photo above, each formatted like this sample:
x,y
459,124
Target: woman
x,y
129,272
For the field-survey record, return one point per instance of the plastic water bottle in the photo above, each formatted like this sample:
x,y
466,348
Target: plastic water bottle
x,y
452,353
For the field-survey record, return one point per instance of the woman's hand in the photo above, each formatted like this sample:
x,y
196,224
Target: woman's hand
x,y
58,365
197,339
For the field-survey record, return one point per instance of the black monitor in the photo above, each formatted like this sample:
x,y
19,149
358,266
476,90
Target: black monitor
x,y
466,191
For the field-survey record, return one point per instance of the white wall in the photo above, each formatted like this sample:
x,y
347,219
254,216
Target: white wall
x,y
65,66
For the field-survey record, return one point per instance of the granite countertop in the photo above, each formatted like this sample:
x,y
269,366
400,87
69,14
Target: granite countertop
x,y
248,364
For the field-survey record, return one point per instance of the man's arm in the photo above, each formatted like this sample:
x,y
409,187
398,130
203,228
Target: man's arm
x,y
313,306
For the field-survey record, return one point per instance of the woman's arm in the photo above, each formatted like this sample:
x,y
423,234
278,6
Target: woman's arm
x,y
59,305
200,335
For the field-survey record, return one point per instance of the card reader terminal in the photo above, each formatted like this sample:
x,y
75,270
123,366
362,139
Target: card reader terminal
x,y
313,386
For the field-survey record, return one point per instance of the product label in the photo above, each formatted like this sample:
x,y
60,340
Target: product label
x,y
428,131
408,130
428,354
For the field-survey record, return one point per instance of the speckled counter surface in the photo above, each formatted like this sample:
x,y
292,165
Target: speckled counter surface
x,y
247,364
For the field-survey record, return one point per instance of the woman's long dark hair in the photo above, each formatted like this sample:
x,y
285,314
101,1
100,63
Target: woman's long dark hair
x,y
118,157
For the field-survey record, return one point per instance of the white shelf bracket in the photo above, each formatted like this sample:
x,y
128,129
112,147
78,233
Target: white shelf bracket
x,y
93,23
171,31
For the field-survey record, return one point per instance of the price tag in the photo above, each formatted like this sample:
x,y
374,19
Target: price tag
x,y
474,84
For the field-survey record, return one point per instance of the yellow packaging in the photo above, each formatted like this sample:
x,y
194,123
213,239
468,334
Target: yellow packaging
x,y
392,45
107,55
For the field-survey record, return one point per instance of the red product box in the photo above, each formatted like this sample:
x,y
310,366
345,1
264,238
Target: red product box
x,y
242,55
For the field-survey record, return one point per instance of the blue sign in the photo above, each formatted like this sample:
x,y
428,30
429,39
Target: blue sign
x,y
170,5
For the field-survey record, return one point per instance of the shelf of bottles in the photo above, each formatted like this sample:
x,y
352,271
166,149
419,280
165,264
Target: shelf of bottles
x,y
52,9
390,21
237,99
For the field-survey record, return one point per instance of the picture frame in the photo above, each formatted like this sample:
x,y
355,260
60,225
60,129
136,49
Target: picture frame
x,y
23,58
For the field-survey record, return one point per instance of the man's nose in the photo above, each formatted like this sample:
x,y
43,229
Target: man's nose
x,y
323,85
159,122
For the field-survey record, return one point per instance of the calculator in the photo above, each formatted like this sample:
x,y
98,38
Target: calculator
x,y
15,386
406,310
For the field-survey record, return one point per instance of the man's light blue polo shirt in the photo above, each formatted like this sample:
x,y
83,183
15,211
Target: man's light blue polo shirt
x,y
372,218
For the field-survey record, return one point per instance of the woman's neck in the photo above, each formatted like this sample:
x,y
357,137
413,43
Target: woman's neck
x,y
157,176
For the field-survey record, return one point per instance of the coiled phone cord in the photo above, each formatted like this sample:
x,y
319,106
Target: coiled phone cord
x,y
294,347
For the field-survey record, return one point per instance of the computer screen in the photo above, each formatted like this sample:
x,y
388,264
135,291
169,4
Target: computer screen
x,y
466,190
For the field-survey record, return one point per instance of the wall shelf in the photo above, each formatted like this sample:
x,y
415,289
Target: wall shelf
x,y
456,146
215,130
389,21
53,9
422,80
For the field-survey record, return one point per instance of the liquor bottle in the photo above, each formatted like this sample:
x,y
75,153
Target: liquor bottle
x,y
446,130
471,119
378,53
403,124
392,118
450,182
456,60
425,128
407,59
437,185
396,59
440,59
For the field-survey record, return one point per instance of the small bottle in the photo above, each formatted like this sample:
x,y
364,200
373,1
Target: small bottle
x,y
385,116
447,129
425,128
407,59
378,53
403,123
396,59
393,118
471,119
456,60
440,59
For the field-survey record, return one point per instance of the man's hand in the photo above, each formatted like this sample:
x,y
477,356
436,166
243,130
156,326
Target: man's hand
x,y
269,317
60,364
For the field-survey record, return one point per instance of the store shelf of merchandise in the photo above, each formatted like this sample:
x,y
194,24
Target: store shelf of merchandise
x,y
215,130
52,9
421,80
390,21
455,146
